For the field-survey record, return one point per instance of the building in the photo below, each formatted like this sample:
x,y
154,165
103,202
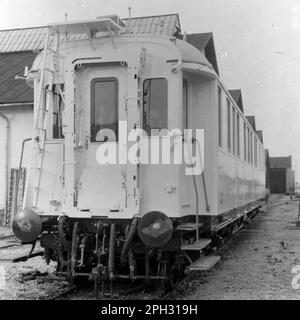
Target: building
x,y
237,96
18,49
281,175
16,117
267,163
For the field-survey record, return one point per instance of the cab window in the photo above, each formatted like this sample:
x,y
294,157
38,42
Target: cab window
x,y
155,105
58,107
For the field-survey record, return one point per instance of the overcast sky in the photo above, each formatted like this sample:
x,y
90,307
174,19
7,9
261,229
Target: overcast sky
x,y
257,44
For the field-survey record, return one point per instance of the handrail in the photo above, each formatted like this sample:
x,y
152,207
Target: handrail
x,y
203,177
196,188
18,176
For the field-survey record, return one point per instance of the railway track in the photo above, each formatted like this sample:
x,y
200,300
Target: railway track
x,y
126,294
62,294
7,237
193,274
133,292
10,241
7,241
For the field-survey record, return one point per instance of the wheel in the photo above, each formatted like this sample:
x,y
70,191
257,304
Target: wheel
x,y
64,245
74,247
64,231
173,276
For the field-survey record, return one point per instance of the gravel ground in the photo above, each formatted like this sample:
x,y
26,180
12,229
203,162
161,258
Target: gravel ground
x,y
256,264
5,231
16,287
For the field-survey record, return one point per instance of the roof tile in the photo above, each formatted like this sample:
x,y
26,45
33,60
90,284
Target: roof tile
x,y
11,64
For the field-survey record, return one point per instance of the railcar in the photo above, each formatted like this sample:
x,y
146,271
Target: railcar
x,y
104,96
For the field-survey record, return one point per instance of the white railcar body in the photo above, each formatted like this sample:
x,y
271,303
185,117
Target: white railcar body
x,y
102,190
99,213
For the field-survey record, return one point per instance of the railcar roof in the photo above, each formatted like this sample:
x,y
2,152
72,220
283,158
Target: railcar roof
x,y
18,48
33,38
191,54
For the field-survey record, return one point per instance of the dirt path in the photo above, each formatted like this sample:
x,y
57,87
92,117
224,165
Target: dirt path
x,y
258,263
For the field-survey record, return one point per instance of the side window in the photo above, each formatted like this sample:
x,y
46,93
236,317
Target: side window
x,y
104,109
238,133
249,144
228,125
185,104
58,107
155,104
245,142
251,147
233,131
255,151
220,116
259,155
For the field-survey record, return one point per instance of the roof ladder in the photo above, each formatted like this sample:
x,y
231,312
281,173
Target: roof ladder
x,y
43,105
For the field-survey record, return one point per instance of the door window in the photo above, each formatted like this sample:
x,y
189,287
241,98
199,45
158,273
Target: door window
x,y
104,110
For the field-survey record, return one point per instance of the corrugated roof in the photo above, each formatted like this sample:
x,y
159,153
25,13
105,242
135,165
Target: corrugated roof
x,y
33,38
204,42
12,64
237,97
168,24
22,39
281,162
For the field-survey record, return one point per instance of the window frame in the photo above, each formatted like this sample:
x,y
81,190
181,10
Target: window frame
x,y
248,145
233,130
185,94
255,152
92,104
245,142
220,116
251,147
238,140
167,104
57,102
228,125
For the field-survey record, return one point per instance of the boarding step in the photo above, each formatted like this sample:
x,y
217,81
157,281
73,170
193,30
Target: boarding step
x,y
204,263
189,226
197,245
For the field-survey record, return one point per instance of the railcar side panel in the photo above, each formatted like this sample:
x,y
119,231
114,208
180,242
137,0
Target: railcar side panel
x,y
200,109
50,190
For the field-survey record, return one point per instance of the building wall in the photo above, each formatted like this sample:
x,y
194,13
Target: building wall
x,y
289,181
20,128
278,180
3,137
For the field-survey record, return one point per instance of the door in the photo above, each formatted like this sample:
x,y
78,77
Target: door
x,y
102,186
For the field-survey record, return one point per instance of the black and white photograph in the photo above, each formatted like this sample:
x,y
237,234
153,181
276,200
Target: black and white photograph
x,y
149,153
